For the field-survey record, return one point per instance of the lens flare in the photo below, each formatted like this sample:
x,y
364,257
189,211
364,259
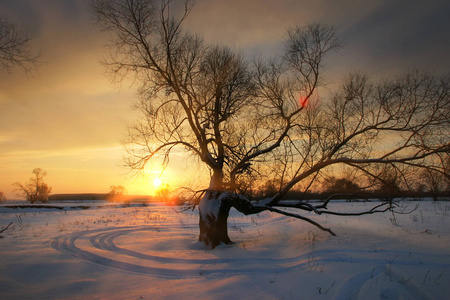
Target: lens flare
x,y
303,101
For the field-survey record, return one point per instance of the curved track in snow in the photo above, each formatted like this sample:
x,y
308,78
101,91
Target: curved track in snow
x,y
108,247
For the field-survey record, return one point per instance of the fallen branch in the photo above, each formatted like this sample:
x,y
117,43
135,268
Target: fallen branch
x,y
4,229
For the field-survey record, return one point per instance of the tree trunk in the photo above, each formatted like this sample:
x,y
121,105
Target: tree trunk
x,y
214,210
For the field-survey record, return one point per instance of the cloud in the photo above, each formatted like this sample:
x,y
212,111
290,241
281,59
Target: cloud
x,y
257,24
400,35
59,118
72,102
69,103
379,36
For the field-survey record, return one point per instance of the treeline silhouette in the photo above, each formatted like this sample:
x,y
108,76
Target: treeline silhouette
x,y
368,195
97,197
292,195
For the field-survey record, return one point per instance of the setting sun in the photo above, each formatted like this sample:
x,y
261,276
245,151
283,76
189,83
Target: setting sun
x,y
157,182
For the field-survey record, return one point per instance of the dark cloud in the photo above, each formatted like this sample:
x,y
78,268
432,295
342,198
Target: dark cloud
x,y
401,35
379,36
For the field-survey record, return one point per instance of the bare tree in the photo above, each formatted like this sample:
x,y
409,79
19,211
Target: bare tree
x,y
265,119
116,193
36,190
15,47
435,183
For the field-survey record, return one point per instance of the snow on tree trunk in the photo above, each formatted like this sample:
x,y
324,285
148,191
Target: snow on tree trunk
x,y
214,211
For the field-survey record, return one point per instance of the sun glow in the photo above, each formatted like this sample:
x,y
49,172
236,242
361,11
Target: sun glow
x,y
157,183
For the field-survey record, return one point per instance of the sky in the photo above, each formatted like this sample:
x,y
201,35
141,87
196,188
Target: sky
x,y
69,119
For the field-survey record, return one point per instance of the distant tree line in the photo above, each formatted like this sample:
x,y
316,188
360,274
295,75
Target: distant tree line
x,y
428,184
74,197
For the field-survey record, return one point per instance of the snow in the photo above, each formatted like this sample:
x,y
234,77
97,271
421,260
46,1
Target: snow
x,y
151,252
212,206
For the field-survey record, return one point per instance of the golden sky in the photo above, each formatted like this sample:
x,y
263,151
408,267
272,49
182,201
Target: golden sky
x,y
68,118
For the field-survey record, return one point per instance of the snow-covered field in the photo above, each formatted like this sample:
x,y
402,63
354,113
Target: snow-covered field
x,y
152,253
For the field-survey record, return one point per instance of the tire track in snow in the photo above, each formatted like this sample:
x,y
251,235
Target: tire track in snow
x,y
103,239
99,247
